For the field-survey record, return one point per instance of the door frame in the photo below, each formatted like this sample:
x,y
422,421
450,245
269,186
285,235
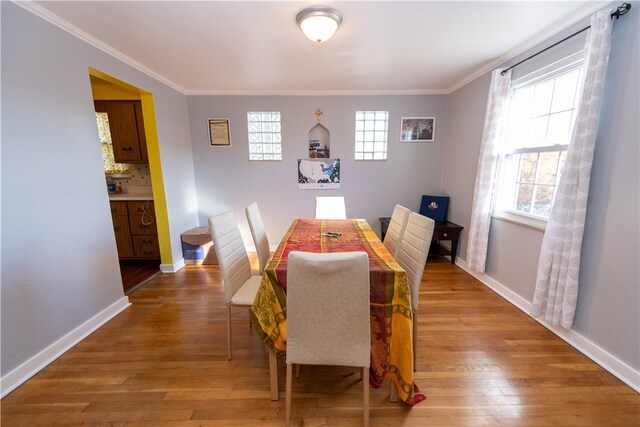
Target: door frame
x,y
155,164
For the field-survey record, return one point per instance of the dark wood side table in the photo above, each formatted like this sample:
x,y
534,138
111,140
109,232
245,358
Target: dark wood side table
x,y
443,231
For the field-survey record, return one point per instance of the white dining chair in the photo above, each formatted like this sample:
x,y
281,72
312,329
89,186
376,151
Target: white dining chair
x,y
328,315
330,208
259,235
240,287
412,256
396,228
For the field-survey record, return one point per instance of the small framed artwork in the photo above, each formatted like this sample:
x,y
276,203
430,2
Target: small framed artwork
x,y
417,129
219,133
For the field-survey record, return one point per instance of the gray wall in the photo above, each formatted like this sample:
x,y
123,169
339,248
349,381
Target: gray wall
x,y
59,260
608,310
227,180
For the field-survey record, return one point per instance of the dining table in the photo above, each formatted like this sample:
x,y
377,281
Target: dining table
x,y
390,301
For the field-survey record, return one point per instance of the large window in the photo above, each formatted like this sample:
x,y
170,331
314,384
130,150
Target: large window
x,y
371,135
264,135
542,112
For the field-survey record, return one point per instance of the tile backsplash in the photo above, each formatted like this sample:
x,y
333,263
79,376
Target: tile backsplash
x,y
140,177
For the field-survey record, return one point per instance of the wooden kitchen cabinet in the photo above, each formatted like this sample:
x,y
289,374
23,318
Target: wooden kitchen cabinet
x,y
134,224
146,246
120,219
127,130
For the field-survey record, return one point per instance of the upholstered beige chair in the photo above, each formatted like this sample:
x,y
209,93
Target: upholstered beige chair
x,y
328,314
412,256
259,235
240,287
330,208
396,228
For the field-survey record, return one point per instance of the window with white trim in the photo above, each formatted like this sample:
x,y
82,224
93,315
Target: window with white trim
x,y
264,135
542,113
371,135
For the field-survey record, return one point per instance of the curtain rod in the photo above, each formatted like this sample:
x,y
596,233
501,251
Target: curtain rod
x,y
621,10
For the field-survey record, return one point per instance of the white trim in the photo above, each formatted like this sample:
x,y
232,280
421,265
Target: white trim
x,y
317,92
77,32
518,218
54,19
553,70
22,373
172,268
592,350
533,42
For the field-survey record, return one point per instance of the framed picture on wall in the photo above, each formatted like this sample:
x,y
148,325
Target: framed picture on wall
x,y
417,129
219,133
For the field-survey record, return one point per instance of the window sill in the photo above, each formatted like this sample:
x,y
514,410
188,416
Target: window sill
x,y
529,221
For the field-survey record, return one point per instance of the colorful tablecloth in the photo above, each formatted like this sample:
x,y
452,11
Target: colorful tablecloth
x,y
391,324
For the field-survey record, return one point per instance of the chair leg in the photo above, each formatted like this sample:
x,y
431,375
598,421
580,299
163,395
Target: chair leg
x,y
366,396
415,339
287,411
273,374
393,392
229,330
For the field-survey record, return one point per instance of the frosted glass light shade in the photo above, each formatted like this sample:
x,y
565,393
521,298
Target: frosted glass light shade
x,y
319,23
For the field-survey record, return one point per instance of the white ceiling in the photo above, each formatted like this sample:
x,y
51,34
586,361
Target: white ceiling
x,y
234,47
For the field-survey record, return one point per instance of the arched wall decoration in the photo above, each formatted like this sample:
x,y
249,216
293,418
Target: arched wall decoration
x,y
319,140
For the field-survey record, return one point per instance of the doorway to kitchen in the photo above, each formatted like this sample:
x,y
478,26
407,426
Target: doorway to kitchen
x,y
126,125
136,273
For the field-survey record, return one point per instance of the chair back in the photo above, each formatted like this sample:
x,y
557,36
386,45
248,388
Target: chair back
x,y
396,228
259,235
328,309
232,255
413,251
330,208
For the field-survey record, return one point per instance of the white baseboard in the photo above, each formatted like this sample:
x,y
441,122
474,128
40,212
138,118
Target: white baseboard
x,y
252,248
172,268
22,373
584,345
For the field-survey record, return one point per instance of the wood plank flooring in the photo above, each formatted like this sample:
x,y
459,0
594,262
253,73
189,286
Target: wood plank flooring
x,y
162,362
134,272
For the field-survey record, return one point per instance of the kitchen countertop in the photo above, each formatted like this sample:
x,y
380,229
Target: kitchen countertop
x,y
132,193
129,197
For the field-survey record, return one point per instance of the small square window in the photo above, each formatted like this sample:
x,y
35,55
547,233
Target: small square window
x,y
371,135
264,135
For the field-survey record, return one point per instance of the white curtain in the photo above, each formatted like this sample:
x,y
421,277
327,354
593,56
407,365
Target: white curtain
x,y
492,137
556,292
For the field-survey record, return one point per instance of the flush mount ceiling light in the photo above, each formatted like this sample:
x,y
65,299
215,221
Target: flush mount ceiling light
x,y
319,23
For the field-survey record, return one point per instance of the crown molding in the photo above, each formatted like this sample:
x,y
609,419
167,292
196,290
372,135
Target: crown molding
x,y
54,19
316,92
531,43
50,17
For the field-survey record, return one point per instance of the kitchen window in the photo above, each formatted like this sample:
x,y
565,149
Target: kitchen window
x,y
108,160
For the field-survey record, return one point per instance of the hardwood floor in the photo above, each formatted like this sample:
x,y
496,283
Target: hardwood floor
x,y
134,272
162,362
